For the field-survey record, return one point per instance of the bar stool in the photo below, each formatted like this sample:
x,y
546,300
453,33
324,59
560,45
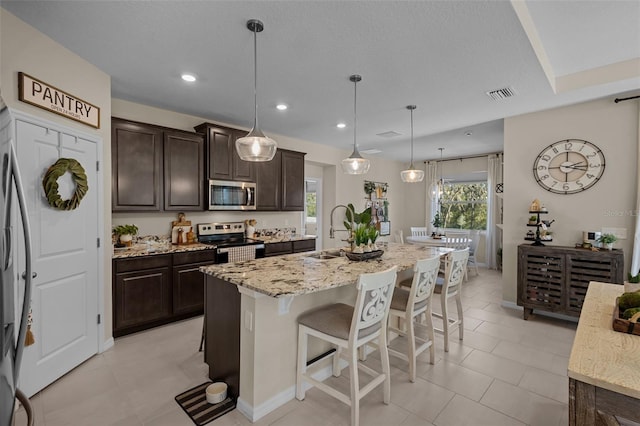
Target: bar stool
x,y
409,304
349,328
449,287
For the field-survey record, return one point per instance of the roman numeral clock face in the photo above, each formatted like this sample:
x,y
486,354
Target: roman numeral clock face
x,y
569,166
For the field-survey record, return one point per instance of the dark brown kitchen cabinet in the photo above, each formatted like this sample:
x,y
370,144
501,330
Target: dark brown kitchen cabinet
x,y
281,182
188,281
293,194
136,166
222,159
141,293
303,245
153,290
154,168
555,279
183,171
288,247
268,182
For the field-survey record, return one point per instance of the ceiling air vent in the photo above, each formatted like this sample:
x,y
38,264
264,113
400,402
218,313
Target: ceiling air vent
x,y
506,92
389,134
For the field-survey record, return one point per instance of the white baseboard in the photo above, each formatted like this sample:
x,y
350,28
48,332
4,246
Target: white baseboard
x,y
512,305
255,413
107,344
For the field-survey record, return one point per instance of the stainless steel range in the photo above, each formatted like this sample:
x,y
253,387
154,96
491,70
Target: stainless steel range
x,y
230,242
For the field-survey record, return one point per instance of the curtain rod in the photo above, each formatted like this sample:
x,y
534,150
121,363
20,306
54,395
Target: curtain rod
x,y
616,100
465,158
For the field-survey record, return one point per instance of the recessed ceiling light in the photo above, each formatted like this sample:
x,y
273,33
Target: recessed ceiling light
x,y
189,77
341,125
281,107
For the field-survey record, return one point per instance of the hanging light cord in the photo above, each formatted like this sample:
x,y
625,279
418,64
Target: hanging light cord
x,y
355,116
255,76
411,165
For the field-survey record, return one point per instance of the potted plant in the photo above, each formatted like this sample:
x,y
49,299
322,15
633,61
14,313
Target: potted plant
x,y
533,220
125,234
437,222
369,187
608,240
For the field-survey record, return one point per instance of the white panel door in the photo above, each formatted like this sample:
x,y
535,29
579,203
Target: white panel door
x,y
65,257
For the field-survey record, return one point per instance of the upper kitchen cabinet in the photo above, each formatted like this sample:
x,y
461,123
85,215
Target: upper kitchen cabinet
x,y
155,168
136,166
183,171
222,159
280,182
293,180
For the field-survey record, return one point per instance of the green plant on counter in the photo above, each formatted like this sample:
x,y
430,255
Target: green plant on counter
x,y
361,234
607,239
373,234
634,278
358,218
125,230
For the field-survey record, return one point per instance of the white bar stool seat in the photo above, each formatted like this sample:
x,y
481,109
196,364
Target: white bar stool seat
x,y
349,328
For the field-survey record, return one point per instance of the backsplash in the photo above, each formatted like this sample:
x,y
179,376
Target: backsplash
x,y
275,232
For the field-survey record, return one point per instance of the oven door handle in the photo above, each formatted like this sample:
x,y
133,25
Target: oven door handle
x,y
248,196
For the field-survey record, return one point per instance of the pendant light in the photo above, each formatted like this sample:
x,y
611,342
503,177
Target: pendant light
x,y
438,187
412,175
355,164
256,146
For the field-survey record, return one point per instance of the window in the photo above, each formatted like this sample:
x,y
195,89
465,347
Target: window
x,y
464,206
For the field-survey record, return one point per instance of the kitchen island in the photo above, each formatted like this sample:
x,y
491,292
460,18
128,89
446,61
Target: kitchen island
x,y
251,311
604,368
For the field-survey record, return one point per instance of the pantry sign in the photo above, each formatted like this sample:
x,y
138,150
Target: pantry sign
x,y
43,95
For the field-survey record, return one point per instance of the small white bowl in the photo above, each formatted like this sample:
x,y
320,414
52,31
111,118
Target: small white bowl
x,y
216,392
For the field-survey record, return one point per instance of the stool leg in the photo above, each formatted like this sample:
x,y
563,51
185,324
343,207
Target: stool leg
x,y
431,334
460,318
336,362
355,386
445,321
411,347
386,369
302,363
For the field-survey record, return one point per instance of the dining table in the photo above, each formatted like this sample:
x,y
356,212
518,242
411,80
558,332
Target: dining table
x,y
429,241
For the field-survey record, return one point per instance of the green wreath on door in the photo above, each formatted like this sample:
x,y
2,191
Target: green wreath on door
x,y
50,183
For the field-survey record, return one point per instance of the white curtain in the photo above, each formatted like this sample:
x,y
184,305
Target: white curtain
x,y
432,202
494,210
635,259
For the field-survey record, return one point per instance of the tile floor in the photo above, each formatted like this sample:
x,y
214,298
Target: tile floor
x,y
506,371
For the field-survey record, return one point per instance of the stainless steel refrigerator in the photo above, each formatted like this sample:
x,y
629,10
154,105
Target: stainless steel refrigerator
x,y
13,283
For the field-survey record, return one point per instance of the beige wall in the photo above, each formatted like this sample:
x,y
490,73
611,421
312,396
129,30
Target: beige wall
x,y
609,203
25,49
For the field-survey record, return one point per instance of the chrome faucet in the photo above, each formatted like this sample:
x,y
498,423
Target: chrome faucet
x,y
332,231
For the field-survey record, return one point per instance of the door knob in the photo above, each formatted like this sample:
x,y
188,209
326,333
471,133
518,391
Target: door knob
x,y
33,275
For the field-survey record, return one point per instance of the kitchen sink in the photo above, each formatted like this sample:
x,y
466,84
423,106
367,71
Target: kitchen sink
x,y
325,255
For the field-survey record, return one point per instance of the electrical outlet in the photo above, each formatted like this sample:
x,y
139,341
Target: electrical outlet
x,y
248,320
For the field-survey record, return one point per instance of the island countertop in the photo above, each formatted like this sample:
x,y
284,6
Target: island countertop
x,y
299,273
601,356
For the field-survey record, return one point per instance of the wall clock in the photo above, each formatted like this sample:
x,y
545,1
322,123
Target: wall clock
x,y
569,166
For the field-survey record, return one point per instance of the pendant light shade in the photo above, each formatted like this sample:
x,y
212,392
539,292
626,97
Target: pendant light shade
x,y
412,175
256,146
355,164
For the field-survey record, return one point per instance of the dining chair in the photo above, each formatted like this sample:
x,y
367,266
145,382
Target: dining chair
x,y
458,240
473,246
449,287
419,231
407,306
349,328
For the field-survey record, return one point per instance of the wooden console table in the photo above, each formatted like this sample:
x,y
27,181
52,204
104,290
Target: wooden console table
x,y
604,382
554,278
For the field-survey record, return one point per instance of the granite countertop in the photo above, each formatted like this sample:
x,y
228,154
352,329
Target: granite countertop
x,y
154,248
284,238
296,274
601,356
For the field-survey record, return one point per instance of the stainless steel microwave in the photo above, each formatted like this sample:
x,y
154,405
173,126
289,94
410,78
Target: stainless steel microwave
x,y
231,195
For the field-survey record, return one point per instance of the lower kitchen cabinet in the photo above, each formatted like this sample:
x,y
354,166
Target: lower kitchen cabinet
x,y
155,290
288,247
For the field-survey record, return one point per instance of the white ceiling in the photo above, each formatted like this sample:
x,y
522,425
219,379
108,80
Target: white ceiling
x,y
440,55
